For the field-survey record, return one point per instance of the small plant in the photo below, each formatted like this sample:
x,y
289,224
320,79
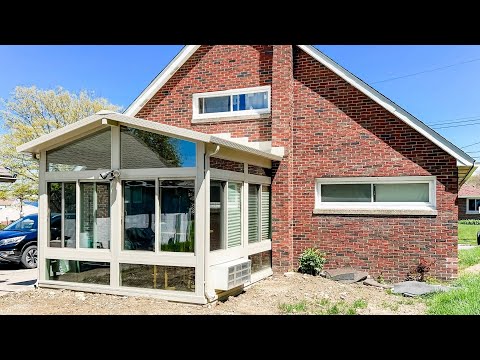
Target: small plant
x,y
312,261
293,308
419,271
360,304
380,279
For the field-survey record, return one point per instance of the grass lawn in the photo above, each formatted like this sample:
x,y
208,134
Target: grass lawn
x,y
465,299
467,234
461,301
468,257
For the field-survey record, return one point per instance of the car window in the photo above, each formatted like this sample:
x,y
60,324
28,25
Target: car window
x,y
25,224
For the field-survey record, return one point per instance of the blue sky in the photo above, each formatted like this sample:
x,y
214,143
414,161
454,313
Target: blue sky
x,y
120,73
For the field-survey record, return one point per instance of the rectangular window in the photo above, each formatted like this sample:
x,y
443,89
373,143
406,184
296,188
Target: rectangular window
x,y
177,207
261,261
234,215
253,213
89,153
217,215
266,213
88,272
95,215
139,215
154,150
62,206
473,206
248,101
158,277
388,193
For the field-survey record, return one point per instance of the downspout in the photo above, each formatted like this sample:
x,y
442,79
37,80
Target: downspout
x,y
206,261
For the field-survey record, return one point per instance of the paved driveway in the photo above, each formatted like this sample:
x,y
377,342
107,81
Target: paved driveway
x,y
14,278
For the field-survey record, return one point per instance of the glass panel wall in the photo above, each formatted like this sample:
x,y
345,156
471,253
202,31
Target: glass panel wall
x,y
217,214
177,207
253,213
62,206
95,215
158,277
266,213
89,272
261,261
90,153
139,215
154,150
234,215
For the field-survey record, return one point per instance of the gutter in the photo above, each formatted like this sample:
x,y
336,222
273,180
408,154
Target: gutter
x,y
469,173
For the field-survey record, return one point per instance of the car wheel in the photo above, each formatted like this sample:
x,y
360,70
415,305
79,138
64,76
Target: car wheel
x,y
29,257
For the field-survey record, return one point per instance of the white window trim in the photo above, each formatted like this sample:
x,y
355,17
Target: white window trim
x,y
467,211
372,208
234,115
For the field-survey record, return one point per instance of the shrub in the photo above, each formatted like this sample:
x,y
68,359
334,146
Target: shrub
x,y
470,222
312,261
419,271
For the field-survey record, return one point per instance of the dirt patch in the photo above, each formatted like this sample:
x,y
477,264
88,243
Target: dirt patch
x,y
301,294
475,269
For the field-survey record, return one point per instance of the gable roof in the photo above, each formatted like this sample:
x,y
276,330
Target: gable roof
x,y
104,118
463,159
6,176
469,190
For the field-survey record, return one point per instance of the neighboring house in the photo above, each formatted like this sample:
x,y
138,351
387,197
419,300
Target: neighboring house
x,y
254,153
10,210
6,176
469,201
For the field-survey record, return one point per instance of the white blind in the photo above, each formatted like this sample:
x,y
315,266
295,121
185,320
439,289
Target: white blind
x,y
253,213
266,212
234,225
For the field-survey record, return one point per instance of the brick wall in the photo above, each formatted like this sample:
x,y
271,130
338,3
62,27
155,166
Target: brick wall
x,y
340,132
214,68
328,129
462,208
222,164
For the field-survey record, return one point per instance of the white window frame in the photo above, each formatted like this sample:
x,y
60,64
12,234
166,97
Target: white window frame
x,y
235,115
467,210
382,208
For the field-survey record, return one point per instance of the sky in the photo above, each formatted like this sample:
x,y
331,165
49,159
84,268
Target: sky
x,y
436,84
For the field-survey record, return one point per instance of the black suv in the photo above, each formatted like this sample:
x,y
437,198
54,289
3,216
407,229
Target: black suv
x,y
18,241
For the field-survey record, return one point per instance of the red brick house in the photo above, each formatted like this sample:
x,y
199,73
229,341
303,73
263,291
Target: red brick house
x,y
290,151
469,201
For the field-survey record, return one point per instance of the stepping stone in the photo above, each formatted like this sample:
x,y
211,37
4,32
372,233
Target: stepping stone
x,y
346,275
417,288
375,283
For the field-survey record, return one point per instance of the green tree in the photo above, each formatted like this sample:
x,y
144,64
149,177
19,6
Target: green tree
x,y
30,113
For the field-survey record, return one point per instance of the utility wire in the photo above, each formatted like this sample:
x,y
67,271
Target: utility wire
x,y
454,126
470,145
454,122
425,71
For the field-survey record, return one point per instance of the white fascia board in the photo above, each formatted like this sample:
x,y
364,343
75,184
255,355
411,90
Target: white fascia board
x,y
86,124
396,110
161,79
36,145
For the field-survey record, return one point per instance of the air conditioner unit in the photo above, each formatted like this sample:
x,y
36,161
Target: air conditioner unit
x,y
229,275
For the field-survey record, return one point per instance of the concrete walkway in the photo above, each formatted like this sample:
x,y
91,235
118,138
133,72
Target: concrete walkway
x,y
13,278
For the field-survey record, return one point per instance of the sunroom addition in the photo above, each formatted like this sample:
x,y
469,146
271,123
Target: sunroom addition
x,y
133,207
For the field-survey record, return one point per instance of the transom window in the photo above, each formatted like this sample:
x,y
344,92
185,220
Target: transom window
x,y
473,206
413,191
249,101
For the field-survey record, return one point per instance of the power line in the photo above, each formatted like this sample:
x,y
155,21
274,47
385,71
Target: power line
x,y
454,126
470,145
426,71
454,122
